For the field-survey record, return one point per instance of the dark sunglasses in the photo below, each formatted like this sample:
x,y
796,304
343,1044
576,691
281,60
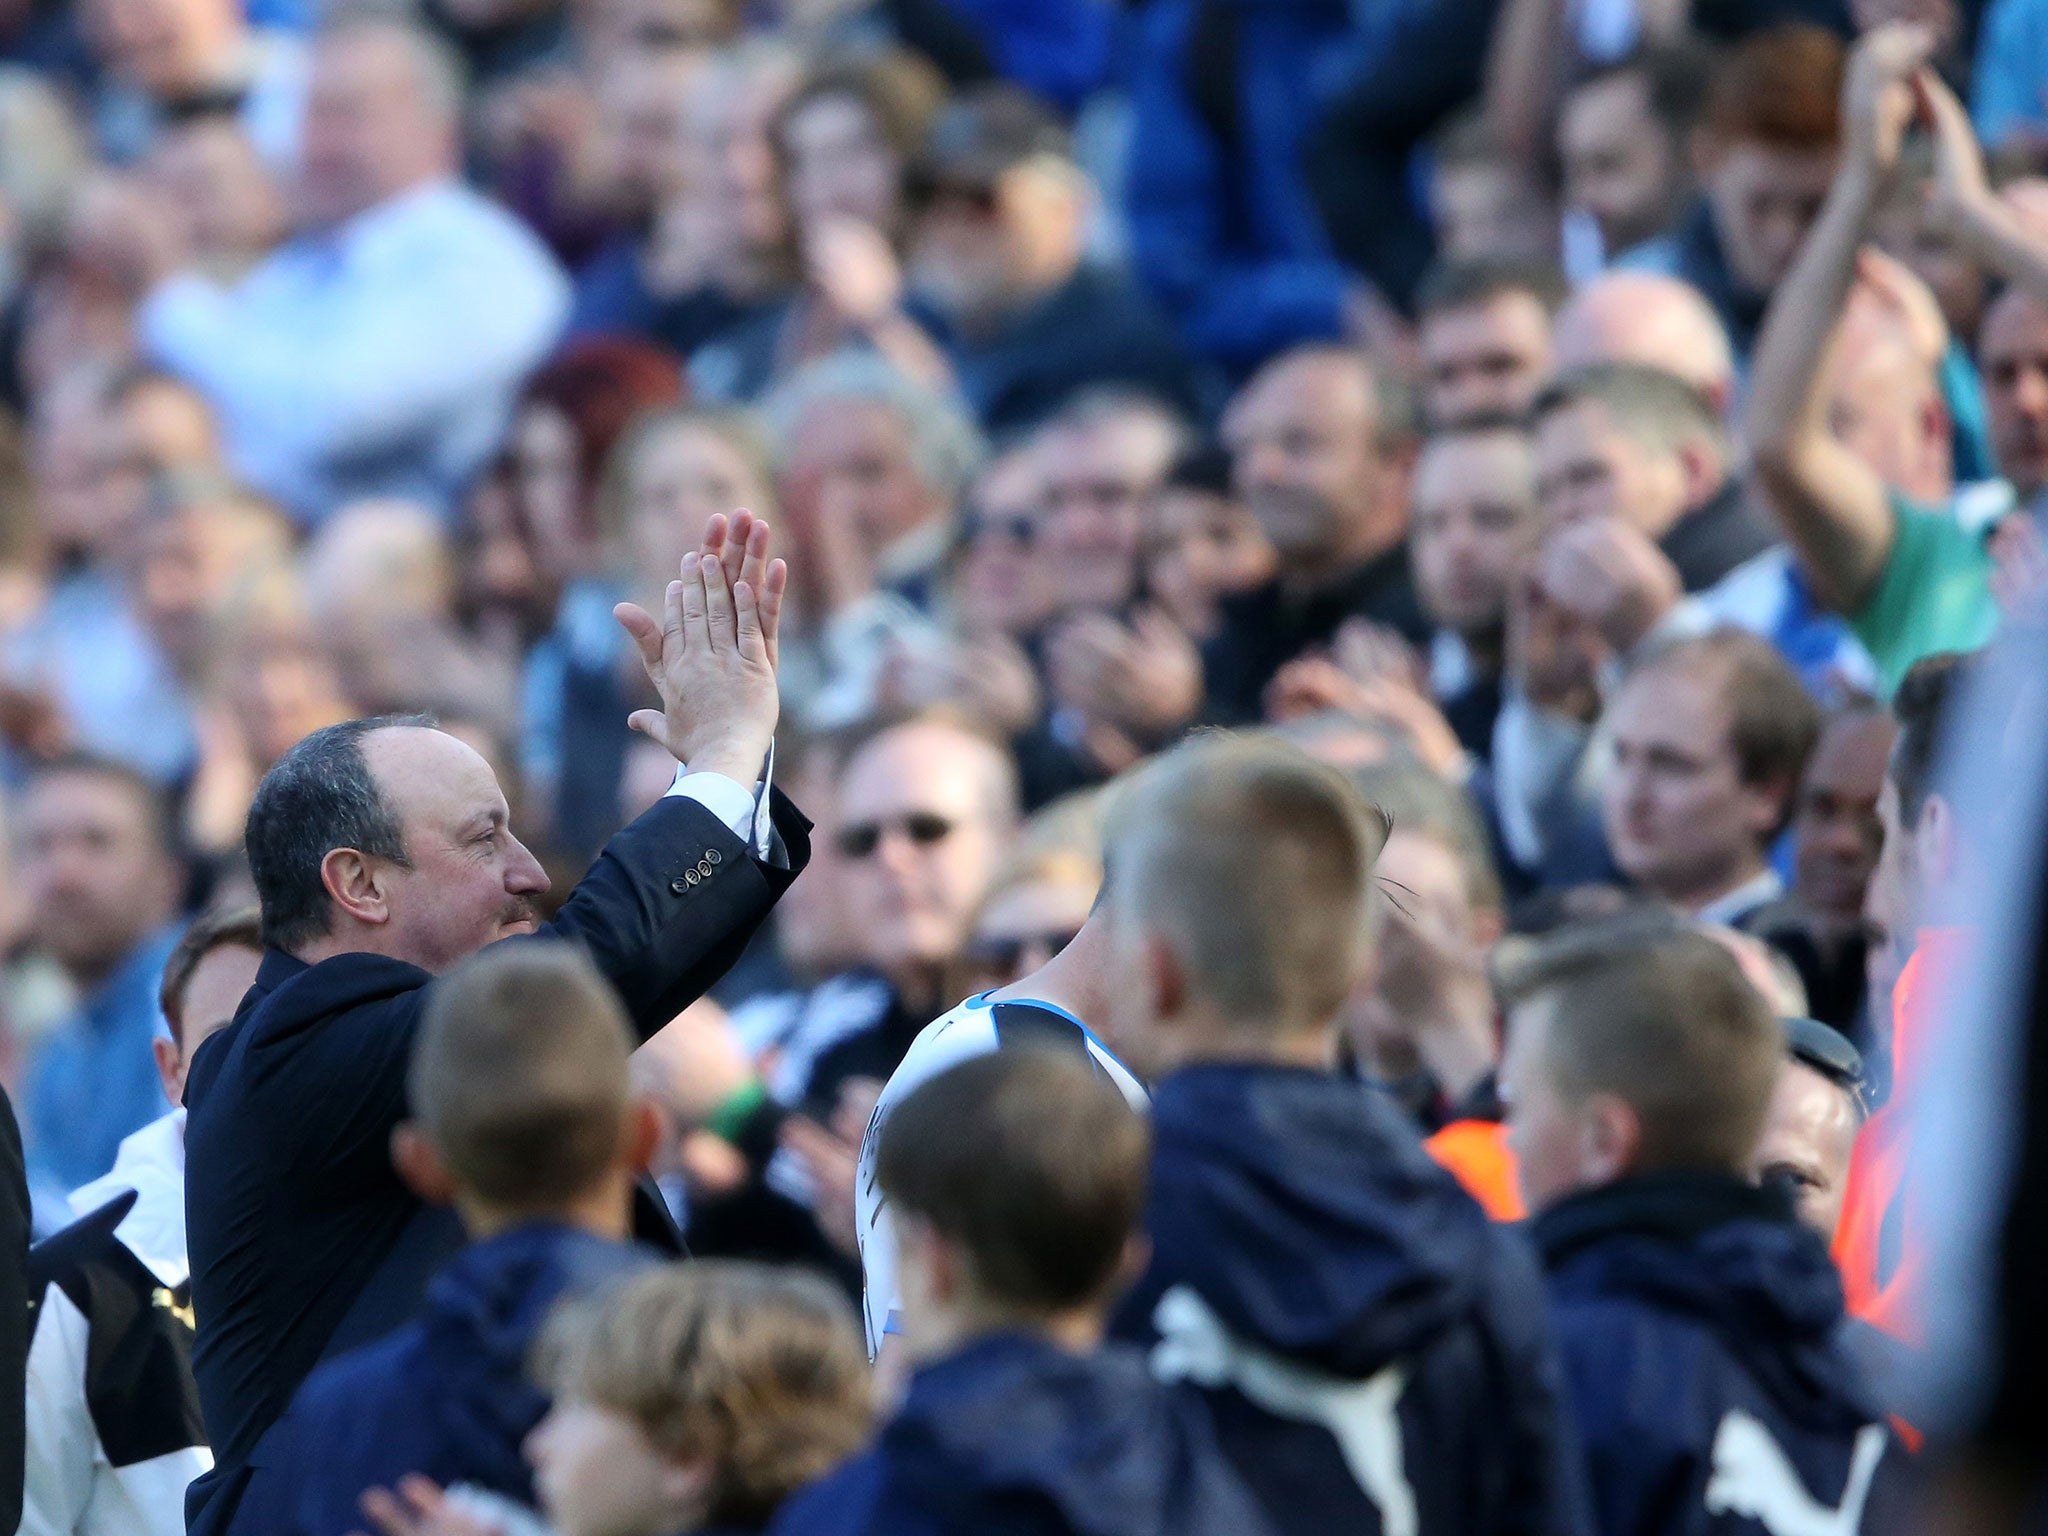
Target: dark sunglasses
x,y
1008,953
1018,528
924,828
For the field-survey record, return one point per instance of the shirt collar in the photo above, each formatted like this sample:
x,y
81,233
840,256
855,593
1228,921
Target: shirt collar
x,y
1743,900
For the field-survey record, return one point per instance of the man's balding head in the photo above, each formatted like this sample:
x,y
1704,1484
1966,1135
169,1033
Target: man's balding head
x,y
389,836
383,103
1307,438
1885,402
1648,318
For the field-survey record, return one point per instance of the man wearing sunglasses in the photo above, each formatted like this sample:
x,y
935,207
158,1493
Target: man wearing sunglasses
x,y
926,813
1045,1008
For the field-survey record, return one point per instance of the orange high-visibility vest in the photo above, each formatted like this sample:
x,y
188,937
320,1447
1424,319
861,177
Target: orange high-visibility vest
x,y
1477,1152
1878,1246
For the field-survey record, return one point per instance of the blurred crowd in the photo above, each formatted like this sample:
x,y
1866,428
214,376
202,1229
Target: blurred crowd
x,y
1575,419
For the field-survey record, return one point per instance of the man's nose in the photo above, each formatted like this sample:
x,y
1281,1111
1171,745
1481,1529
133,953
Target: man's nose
x,y
523,874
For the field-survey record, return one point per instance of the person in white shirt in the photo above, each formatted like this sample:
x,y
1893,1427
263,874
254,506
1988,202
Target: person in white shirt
x,y
378,352
113,1425
1048,1006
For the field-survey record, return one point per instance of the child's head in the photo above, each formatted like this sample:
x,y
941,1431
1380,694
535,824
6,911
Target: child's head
x,y
701,1394
1015,1182
521,1100
1634,1046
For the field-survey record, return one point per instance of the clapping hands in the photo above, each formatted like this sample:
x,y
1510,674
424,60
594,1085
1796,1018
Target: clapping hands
x,y
712,658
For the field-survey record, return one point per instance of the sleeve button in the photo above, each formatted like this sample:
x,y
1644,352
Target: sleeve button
x,y
691,877
713,856
678,886
704,868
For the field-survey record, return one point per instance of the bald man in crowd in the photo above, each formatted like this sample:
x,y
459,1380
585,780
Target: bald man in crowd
x,y
378,351
1625,316
1323,464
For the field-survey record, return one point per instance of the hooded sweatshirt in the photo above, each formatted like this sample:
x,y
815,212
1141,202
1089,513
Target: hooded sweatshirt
x,y
1014,1436
1373,1349
447,1395
1702,1333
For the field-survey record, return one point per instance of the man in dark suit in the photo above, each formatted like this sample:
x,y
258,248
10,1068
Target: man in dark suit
x,y
381,856
13,1312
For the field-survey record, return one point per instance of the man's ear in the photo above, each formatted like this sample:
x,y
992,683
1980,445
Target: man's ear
x,y
169,1068
646,1133
419,1165
355,883
1130,1269
1166,979
1934,846
1703,466
1770,804
1610,1140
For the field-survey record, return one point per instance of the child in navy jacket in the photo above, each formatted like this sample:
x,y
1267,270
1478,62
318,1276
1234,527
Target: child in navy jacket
x,y
1373,1350
1701,1323
1015,1182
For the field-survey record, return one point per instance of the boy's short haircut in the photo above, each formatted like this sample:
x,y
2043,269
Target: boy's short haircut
x,y
521,1075
1254,861
235,928
1652,1011
758,1371
1033,1163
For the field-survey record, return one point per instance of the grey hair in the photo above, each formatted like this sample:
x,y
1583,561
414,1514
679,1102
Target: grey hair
x,y
944,441
442,77
318,797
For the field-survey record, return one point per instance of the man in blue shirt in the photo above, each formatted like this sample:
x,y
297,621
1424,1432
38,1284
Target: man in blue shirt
x,y
378,352
103,884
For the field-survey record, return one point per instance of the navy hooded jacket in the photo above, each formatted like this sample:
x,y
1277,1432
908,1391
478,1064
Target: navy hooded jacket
x,y
1014,1436
1373,1349
448,1394
1702,1331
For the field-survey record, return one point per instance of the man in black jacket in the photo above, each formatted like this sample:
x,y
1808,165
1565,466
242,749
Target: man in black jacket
x,y
1700,1321
381,857
13,1311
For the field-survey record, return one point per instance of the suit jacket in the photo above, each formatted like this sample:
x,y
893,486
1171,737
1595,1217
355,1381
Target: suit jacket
x,y
304,1241
14,1319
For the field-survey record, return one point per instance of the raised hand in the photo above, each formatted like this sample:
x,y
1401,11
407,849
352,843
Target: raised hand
x,y
1879,97
1961,189
712,657
1612,576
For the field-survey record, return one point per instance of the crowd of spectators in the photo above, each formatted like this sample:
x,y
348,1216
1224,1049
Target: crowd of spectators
x,y
1575,422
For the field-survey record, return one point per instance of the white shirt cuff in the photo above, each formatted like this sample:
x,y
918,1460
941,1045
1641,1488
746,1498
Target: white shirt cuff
x,y
747,813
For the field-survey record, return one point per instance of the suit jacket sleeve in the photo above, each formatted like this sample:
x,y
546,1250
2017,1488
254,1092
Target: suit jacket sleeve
x,y
14,1233
673,899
